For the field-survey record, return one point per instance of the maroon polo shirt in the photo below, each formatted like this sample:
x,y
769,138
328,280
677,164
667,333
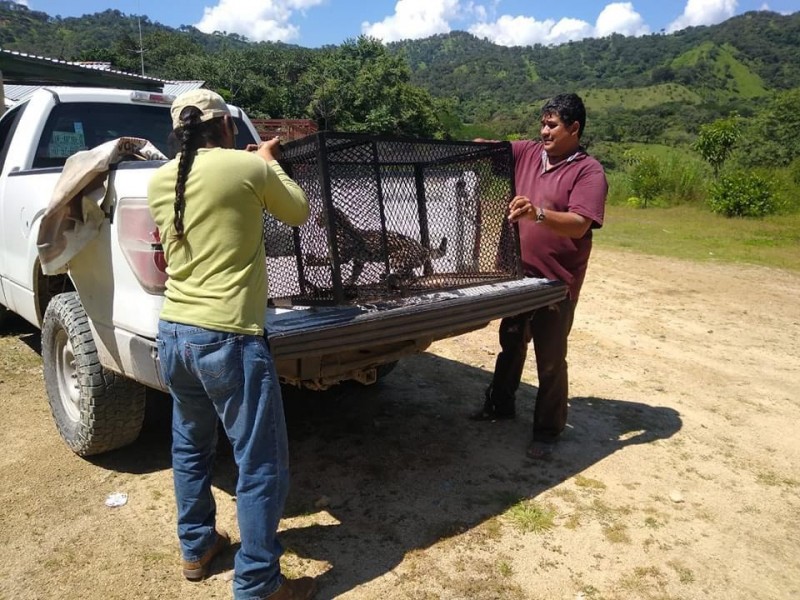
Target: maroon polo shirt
x,y
576,185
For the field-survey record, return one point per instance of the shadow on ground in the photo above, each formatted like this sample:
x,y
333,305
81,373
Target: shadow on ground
x,y
400,467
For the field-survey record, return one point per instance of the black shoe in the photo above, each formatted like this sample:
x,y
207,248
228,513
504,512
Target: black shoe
x,y
541,450
491,414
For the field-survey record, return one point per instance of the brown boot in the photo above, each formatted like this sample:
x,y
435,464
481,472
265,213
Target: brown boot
x,y
196,570
295,589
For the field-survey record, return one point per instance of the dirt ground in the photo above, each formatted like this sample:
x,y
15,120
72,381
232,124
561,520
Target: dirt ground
x,y
678,478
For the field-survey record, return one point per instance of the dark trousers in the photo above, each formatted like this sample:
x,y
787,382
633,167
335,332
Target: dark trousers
x,y
549,329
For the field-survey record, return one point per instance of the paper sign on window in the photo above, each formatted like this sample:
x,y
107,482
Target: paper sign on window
x,y
65,143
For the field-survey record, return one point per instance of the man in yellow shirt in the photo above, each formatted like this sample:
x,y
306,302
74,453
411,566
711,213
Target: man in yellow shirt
x,y
207,204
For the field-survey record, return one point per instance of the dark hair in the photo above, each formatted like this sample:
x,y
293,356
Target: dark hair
x,y
192,134
569,108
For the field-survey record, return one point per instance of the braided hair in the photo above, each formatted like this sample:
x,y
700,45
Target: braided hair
x,y
192,134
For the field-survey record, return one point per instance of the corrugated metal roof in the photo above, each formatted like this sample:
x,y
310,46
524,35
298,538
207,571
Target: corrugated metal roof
x,y
27,82
57,61
178,87
17,93
20,65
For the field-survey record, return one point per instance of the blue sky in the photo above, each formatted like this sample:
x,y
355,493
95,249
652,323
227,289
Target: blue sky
x,y
313,23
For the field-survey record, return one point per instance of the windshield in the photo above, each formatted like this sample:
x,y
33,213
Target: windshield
x,y
75,126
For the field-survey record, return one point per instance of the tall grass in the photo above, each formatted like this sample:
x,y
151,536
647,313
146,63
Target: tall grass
x,y
683,181
685,178
693,232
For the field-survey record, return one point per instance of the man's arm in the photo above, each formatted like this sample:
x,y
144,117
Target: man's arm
x,y
568,224
285,199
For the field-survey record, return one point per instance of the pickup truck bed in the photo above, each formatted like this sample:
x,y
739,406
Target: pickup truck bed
x,y
339,335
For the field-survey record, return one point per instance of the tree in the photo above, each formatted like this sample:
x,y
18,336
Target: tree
x,y
359,86
645,178
716,141
782,144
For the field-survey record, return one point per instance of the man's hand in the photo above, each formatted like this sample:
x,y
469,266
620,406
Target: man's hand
x,y
521,208
568,224
269,150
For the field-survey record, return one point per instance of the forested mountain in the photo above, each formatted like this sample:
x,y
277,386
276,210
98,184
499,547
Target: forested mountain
x,y
717,69
636,88
768,43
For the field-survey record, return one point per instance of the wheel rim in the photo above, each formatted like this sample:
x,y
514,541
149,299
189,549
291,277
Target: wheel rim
x,y
67,374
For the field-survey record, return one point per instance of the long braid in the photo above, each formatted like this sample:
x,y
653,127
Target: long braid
x,y
190,119
193,134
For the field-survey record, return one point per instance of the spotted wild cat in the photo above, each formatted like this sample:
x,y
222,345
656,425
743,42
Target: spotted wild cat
x,y
362,246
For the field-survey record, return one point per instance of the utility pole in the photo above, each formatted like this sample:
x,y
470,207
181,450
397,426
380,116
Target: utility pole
x,y
141,46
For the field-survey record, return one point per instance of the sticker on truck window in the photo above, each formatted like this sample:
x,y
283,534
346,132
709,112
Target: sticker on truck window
x,y
65,143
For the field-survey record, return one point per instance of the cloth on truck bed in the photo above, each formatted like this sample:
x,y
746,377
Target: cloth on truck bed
x,y
74,215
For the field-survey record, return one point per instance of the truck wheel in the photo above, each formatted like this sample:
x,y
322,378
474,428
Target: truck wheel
x,y
95,410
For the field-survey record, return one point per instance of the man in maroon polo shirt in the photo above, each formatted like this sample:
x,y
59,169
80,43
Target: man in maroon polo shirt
x,y
561,199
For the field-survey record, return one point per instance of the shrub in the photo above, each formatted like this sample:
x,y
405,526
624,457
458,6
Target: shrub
x,y
646,179
794,170
636,202
742,194
684,181
618,188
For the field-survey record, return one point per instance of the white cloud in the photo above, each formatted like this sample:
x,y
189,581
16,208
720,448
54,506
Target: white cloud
x,y
22,2
413,19
258,20
526,31
617,17
620,17
703,12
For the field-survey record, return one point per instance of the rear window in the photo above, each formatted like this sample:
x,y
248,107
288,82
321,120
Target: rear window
x,y
76,126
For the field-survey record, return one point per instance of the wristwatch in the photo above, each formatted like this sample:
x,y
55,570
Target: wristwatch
x,y
539,214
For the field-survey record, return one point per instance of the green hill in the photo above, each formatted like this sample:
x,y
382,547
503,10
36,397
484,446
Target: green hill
x,y
718,68
717,72
604,99
637,88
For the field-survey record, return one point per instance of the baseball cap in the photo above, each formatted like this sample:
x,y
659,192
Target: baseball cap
x,y
210,104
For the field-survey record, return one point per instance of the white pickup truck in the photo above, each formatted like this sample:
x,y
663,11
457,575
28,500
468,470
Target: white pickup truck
x,y
99,317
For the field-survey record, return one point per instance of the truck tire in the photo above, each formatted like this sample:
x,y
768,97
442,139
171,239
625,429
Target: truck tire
x,y
95,409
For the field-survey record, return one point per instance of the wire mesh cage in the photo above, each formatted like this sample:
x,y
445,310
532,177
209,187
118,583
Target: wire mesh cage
x,y
393,217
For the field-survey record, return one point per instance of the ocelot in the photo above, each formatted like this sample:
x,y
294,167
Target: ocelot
x,y
362,246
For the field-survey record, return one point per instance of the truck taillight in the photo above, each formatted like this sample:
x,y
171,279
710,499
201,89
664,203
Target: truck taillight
x,y
141,244
152,97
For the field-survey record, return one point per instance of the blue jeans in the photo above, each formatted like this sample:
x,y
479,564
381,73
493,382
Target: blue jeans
x,y
215,375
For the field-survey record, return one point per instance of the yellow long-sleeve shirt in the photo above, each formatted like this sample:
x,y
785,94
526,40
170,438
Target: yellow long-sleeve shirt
x,y
217,273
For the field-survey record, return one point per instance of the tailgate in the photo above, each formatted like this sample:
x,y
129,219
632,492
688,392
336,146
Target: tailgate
x,y
299,333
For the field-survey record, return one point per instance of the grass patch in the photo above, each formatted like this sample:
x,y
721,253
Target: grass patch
x,y
469,577
589,483
505,569
531,516
693,233
617,533
685,574
600,100
653,523
490,530
774,480
644,582
566,495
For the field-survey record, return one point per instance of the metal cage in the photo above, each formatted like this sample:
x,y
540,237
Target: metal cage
x,y
392,217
